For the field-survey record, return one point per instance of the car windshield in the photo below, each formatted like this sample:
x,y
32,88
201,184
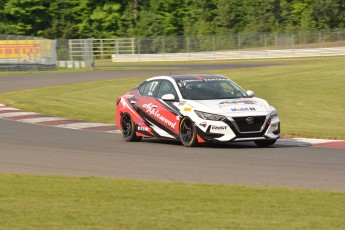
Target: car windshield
x,y
210,89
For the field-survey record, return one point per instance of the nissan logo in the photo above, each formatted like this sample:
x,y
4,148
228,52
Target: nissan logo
x,y
250,120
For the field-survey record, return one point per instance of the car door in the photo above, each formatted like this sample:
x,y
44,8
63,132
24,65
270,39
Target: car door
x,y
155,111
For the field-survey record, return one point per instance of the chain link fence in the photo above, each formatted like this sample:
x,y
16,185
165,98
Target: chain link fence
x,y
239,41
23,52
80,53
27,53
76,53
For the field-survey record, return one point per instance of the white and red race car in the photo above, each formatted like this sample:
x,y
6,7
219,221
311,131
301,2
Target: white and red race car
x,y
196,109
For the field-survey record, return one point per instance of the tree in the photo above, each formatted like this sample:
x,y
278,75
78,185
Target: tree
x,y
200,16
327,14
141,18
64,19
100,19
26,17
160,17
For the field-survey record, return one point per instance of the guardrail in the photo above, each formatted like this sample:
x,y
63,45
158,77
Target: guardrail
x,y
229,55
26,67
72,64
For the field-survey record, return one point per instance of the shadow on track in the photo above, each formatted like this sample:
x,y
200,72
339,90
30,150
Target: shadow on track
x,y
281,143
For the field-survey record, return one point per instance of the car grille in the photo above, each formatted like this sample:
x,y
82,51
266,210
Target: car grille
x,y
244,126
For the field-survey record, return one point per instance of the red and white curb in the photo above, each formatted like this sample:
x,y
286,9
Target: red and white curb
x,y
303,142
36,118
9,113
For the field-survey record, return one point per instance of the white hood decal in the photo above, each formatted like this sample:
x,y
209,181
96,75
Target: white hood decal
x,y
226,106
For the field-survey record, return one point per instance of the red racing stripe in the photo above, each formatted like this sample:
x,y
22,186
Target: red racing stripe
x,y
198,77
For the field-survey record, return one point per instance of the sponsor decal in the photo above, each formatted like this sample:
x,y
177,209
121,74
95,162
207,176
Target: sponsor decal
x,y
246,109
242,102
187,109
155,112
204,124
141,128
217,128
24,48
203,79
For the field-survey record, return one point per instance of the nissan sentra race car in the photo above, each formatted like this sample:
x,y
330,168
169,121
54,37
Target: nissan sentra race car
x,y
196,109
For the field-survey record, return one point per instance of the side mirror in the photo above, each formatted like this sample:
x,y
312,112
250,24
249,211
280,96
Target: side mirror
x,y
168,97
250,93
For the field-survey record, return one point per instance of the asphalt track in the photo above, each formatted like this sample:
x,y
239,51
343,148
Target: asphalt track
x,y
36,149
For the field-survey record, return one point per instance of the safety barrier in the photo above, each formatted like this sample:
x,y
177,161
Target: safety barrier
x,y
26,67
228,55
72,64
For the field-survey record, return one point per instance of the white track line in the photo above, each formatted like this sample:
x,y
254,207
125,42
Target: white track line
x,y
15,114
303,141
7,108
82,125
41,119
314,141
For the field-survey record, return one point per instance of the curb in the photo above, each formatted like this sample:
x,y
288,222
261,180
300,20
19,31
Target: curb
x,y
9,113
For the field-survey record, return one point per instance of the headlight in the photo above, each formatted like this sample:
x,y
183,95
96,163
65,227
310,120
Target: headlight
x,y
210,116
273,114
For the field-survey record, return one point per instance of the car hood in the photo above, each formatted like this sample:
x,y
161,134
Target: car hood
x,y
232,106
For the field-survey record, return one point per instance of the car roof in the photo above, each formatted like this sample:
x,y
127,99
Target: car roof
x,y
190,77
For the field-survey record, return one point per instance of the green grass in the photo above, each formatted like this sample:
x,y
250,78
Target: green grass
x,y
45,202
308,93
92,101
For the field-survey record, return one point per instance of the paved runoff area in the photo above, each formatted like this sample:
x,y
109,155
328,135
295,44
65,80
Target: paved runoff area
x,y
40,119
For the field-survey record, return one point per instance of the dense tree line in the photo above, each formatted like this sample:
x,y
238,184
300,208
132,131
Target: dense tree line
x,y
143,18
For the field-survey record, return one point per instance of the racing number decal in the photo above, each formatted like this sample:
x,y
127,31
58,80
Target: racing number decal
x,y
153,87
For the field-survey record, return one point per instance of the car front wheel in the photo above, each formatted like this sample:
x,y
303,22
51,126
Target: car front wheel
x,y
265,143
128,129
188,132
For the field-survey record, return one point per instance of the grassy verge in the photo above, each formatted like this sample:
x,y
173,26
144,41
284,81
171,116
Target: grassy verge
x,y
42,202
100,68
92,101
308,93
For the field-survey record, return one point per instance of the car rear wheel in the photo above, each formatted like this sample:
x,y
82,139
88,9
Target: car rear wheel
x,y
265,143
188,132
128,129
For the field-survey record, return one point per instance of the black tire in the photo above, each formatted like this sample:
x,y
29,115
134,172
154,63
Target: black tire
x,y
265,143
128,129
188,135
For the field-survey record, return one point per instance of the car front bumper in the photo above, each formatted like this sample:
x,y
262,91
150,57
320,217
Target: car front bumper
x,y
235,130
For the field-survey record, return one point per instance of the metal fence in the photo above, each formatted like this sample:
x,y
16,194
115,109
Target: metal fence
x,y
26,50
76,53
82,52
239,41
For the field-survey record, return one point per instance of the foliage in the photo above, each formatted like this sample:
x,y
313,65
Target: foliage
x,y
139,18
